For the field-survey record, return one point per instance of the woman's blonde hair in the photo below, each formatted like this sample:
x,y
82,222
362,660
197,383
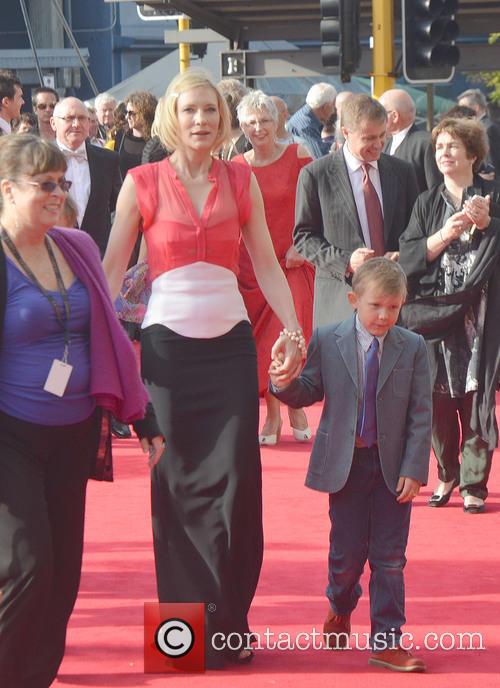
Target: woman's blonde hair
x,y
166,124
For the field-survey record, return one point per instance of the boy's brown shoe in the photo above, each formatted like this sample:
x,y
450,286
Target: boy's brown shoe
x,y
397,659
336,630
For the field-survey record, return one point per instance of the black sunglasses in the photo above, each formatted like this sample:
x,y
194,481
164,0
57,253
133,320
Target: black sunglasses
x,y
44,106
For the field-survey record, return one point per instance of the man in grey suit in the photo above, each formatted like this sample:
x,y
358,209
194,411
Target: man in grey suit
x,y
406,141
371,452
332,227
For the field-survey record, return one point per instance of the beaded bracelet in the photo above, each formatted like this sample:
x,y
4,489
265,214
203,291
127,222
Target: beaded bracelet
x,y
297,337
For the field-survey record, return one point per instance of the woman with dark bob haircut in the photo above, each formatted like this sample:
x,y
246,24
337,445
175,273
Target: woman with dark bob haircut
x,y
63,357
450,253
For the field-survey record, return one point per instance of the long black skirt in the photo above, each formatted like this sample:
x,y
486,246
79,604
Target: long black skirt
x,y
207,487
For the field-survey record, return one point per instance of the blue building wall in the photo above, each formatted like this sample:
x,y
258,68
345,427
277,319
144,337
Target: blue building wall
x,y
12,29
119,43
94,23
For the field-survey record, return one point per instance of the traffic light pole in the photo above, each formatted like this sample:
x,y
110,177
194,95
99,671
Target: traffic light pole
x,y
184,48
383,47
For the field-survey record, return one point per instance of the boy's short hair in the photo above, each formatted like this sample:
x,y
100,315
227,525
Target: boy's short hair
x,y
386,274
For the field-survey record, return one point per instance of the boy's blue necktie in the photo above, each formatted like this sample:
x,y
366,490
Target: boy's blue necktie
x,y
367,425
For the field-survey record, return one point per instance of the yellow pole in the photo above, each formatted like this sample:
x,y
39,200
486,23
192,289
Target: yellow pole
x,y
383,46
184,48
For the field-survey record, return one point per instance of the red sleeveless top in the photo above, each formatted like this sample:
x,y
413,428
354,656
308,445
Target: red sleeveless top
x,y
174,232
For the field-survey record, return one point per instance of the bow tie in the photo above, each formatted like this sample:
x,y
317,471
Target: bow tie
x,y
79,156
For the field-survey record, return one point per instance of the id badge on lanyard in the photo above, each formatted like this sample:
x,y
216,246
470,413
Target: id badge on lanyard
x,y
58,377
60,370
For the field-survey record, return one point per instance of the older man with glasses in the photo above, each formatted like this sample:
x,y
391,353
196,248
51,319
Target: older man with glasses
x,y
105,105
44,101
94,171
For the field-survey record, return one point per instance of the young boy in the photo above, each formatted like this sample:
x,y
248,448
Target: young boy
x,y
371,452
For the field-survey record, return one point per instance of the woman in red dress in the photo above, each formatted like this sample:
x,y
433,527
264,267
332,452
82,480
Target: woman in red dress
x,y
276,167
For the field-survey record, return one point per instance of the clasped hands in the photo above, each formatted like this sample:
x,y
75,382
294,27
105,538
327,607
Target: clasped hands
x,y
475,213
286,362
477,209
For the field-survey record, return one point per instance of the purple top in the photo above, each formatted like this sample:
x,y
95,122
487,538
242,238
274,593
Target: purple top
x,y
32,339
114,379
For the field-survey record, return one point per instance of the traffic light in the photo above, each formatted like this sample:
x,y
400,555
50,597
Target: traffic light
x,y
199,50
339,28
429,32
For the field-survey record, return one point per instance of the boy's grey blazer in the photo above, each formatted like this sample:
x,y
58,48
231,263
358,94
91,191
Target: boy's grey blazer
x,y
404,405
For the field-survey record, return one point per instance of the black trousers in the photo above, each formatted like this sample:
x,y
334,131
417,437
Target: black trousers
x,y
43,478
452,435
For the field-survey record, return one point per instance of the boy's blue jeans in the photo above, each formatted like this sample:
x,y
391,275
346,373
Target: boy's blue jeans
x,y
369,524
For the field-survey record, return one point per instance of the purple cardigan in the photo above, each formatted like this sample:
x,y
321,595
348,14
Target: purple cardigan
x,y
114,379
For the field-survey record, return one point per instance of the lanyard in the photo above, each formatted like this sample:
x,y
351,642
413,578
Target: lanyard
x,y
63,321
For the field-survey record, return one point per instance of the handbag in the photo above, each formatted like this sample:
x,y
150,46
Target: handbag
x,y
131,303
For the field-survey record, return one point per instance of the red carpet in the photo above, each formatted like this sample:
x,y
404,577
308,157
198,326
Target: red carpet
x,y
452,586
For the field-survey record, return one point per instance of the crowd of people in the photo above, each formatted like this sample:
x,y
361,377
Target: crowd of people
x,y
237,229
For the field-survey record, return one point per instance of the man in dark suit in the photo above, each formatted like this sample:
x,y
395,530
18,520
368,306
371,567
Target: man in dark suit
x,y
351,206
476,100
406,141
94,171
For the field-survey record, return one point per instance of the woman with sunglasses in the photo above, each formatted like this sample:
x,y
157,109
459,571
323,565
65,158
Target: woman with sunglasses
x,y
130,141
63,355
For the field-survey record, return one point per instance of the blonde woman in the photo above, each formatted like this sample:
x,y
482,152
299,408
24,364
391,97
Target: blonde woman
x,y
198,355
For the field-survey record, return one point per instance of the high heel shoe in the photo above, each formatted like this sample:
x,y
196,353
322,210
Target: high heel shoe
x,y
300,435
442,500
271,440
